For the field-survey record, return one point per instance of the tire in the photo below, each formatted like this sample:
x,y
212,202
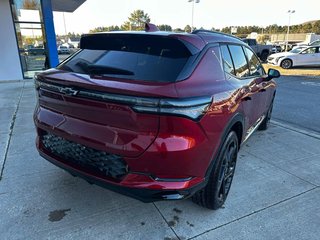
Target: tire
x,y
264,56
265,123
215,193
286,63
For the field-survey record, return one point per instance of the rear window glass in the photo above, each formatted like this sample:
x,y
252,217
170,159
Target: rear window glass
x,y
136,57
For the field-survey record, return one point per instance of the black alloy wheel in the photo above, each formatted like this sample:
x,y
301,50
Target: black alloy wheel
x,y
215,193
227,170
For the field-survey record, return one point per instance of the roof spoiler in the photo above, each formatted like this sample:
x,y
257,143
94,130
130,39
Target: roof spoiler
x,y
149,27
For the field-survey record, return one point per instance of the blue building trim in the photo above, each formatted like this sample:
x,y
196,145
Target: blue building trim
x,y
50,34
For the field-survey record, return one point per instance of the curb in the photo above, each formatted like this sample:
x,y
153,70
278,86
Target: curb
x,y
306,132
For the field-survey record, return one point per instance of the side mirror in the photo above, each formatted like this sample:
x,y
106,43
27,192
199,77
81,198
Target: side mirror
x,y
273,73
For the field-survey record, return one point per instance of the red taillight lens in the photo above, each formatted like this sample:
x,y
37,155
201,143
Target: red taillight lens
x,y
193,108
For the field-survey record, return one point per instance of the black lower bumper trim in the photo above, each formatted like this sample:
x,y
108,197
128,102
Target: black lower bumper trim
x,y
142,194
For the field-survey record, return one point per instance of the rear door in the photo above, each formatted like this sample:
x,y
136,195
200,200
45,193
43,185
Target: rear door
x,y
235,64
308,57
316,57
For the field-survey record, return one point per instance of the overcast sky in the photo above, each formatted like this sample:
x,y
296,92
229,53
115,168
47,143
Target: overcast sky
x,y
177,13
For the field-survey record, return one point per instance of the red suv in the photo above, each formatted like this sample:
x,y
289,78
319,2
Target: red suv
x,y
154,115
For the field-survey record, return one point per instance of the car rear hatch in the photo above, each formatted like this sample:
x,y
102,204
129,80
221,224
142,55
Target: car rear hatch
x,y
98,97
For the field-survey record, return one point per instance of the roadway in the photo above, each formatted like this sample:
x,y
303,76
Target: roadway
x,y
297,102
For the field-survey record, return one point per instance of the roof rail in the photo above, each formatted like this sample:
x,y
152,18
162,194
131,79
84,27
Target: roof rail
x,y
213,32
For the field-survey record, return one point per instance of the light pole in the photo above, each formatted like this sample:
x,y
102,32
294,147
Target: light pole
x,y
290,12
193,1
65,28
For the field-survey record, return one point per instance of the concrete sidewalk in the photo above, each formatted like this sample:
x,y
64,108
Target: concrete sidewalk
x,y
275,193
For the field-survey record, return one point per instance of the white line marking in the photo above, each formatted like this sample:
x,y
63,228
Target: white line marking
x,y
314,84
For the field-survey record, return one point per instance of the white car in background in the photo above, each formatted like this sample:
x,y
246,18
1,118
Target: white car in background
x,y
63,49
314,43
302,56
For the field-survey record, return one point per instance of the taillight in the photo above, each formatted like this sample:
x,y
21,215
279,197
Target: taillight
x,y
193,108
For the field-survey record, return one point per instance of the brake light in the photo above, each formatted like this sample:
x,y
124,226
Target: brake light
x,y
193,108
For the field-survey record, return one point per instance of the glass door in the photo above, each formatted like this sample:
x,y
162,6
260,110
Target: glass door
x,y
31,47
27,16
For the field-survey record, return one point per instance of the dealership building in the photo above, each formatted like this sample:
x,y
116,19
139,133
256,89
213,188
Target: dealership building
x,y
27,36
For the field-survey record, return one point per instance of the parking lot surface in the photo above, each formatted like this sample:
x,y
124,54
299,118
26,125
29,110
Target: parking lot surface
x,y
275,193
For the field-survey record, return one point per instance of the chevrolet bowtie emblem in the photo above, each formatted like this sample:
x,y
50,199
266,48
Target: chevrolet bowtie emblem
x,y
68,91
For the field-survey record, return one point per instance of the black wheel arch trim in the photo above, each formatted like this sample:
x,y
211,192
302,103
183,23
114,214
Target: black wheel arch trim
x,y
238,117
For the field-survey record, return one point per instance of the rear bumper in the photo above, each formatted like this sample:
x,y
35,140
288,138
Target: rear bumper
x,y
135,185
172,167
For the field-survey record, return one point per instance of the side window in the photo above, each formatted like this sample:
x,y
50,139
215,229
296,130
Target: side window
x,y
240,61
227,61
255,66
309,51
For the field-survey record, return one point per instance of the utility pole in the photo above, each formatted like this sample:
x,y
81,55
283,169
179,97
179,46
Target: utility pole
x,y
193,2
290,12
65,28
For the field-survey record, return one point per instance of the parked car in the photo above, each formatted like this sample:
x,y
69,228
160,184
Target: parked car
x,y
36,51
63,50
276,49
263,51
302,56
314,43
154,115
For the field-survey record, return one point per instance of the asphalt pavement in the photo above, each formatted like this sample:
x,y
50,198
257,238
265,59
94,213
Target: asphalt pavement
x,y
297,102
275,192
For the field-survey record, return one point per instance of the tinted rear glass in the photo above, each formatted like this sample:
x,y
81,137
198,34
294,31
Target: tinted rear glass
x,y
136,57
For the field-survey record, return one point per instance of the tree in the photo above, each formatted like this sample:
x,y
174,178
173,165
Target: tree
x,y
307,28
136,21
165,27
316,27
30,4
226,30
178,30
262,39
187,29
105,29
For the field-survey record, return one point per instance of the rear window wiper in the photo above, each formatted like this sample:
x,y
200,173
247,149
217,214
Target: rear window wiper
x,y
100,69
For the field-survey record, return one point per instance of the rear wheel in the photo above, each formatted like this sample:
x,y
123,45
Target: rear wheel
x,y
215,193
286,64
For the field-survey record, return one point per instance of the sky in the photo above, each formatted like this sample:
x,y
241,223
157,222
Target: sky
x,y
177,13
